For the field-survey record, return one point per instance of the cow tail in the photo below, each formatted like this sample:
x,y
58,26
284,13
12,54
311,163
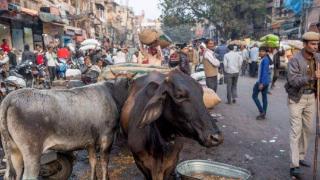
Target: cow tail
x,y
5,135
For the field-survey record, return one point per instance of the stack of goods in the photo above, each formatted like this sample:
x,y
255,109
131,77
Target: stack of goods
x,y
140,69
164,41
151,37
210,98
237,42
295,44
90,44
270,40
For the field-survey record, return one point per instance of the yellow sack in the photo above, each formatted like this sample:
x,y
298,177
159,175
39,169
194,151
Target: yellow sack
x,y
210,98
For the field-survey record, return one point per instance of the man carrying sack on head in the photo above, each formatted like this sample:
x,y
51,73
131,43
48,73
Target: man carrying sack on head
x,y
301,89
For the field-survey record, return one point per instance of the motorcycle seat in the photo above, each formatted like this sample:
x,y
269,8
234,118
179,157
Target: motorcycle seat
x,y
13,73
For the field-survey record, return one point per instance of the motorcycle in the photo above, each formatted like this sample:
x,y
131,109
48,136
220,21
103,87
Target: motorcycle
x,y
54,165
25,70
62,68
41,75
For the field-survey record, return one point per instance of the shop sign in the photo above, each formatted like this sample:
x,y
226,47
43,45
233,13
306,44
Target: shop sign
x,y
3,5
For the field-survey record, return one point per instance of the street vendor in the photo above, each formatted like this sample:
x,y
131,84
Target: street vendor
x,y
301,89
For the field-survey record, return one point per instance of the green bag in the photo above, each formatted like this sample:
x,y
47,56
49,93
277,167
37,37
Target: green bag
x,y
270,37
271,44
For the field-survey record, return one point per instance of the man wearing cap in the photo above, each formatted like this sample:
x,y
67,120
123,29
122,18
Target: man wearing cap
x,y
301,89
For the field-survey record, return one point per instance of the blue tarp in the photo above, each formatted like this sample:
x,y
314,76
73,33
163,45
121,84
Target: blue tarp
x,y
297,5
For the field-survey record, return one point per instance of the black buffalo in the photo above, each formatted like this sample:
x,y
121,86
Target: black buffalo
x,y
159,108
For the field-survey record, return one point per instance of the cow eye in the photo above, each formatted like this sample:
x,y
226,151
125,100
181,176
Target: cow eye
x,y
181,94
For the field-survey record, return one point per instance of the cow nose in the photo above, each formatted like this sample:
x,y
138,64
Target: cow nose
x,y
216,139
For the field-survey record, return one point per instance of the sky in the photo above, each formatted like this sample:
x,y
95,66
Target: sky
x,y
150,7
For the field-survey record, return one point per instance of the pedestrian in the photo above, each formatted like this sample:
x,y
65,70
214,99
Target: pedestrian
x,y
193,57
184,59
220,51
245,57
52,63
39,55
121,56
4,64
301,88
262,84
232,66
211,65
277,69
134,58
27,55
5,46
12,59
253,61
173,58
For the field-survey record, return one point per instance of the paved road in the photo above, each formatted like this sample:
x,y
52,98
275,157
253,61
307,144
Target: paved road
x,y
259,146
265,143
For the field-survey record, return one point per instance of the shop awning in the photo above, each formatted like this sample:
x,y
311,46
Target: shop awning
x,y
29,11
47,17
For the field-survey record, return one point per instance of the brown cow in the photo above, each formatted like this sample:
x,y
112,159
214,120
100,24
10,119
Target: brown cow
x,y
159,108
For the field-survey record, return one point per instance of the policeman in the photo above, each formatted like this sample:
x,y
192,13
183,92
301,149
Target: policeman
x,y
301,89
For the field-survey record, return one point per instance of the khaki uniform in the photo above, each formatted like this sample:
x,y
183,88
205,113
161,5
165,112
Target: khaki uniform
x,y
301,117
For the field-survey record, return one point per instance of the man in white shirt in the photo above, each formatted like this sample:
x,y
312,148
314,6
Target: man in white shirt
x,y
232,65
121,56
211,65
253,62
245,57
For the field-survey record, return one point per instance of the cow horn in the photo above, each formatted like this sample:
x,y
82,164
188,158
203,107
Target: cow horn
x,y
113,73
131,75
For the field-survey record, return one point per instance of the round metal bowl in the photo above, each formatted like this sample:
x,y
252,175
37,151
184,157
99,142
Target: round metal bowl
x,y
186,169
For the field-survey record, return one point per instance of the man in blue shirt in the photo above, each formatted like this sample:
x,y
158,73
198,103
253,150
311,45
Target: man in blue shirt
x,y
262,83
220,51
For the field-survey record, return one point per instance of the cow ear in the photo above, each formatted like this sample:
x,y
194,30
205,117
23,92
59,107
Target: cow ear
x,y
153,110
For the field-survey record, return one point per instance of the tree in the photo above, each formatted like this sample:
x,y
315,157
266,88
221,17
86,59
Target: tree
x,y
232,17
180,33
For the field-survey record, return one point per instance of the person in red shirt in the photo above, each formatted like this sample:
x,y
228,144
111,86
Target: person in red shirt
x,y
5,46
63,53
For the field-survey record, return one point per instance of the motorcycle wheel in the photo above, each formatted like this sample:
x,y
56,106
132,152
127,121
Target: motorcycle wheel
x,y
59,169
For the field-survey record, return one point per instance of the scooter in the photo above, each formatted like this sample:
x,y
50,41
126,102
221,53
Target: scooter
x,y
41,76
62,68
54,165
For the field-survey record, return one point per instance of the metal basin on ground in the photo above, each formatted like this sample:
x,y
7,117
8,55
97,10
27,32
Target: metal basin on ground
x,y
186,170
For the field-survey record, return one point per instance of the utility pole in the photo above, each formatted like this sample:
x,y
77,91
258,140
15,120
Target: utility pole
x,y
301,19
126,28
